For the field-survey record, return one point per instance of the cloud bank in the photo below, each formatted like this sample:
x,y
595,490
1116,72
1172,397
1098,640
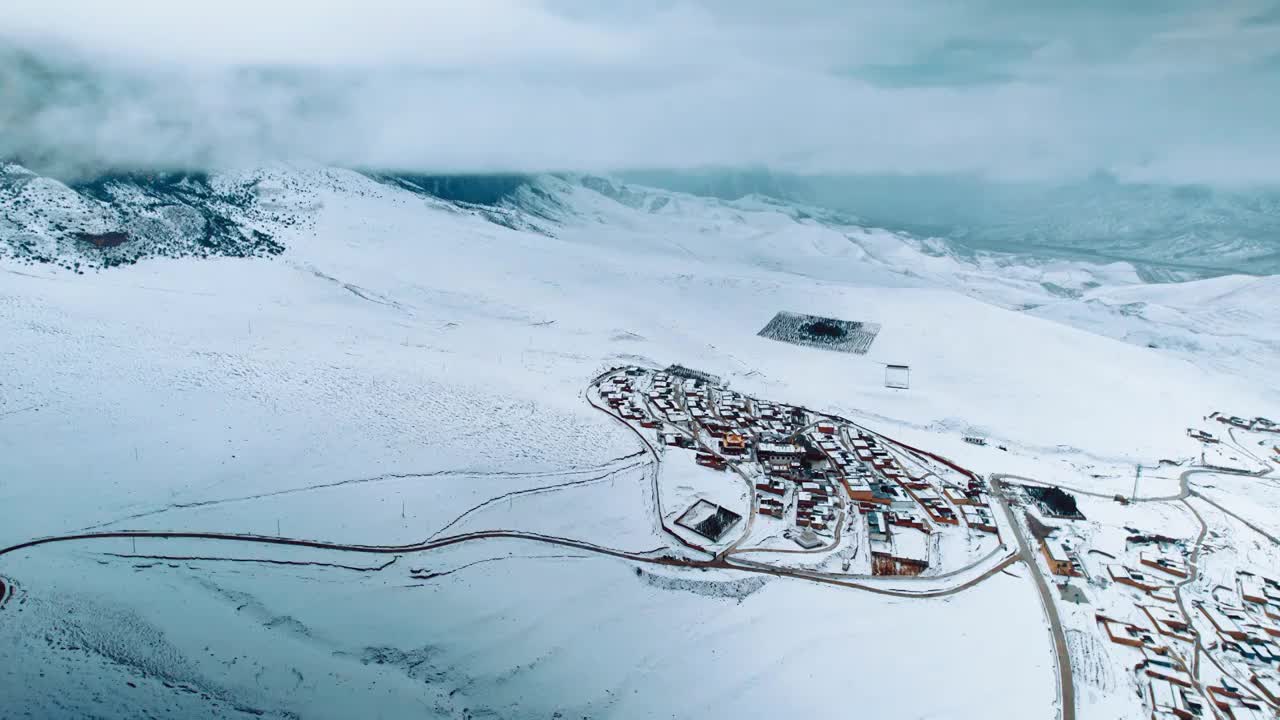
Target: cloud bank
x,y
1165,90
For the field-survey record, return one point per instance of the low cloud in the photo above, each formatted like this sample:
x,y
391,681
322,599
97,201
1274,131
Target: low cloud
x,y
1161,91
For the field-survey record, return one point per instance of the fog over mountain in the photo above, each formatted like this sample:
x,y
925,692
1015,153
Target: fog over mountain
x,y
1155,91
1167,230
1139,131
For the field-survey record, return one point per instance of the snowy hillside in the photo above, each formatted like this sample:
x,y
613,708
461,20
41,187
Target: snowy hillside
x,y
323,354
1170,231
120,219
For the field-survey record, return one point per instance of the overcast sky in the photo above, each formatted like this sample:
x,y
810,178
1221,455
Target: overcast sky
x,y
1153,89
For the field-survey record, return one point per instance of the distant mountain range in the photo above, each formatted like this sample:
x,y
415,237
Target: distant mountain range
x,y
1169,232
1166,233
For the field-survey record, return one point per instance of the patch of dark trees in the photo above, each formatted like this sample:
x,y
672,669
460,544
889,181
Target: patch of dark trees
x,y
1151,539
111,239
823,329
717,524
1055,501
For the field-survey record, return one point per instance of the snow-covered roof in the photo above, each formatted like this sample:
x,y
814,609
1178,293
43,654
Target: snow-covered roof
x,y
1057,551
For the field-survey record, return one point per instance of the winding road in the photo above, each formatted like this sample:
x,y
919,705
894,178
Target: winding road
x,y
722,560
715,561
1066,683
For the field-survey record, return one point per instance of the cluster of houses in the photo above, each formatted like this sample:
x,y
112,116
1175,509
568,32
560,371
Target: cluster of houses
x,y
1154,574
790,462
1257,424
1151,579
805,465
1246,620
816,504
894,503
1167,683
1239,627
1201,435
1241,624
879,484
618,392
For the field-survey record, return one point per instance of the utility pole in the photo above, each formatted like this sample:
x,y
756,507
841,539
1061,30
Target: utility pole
x,y
277,527
1136,477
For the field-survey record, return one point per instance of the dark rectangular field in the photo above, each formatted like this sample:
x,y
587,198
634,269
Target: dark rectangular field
x,y
708,520
1054,502
826,333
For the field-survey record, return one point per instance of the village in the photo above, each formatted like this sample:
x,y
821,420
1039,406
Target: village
x,y
814,491
1190,621
770,485
1256,424
1236,626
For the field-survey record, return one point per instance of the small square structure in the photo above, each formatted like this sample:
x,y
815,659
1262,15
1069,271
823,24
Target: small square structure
x,y
897,376
708,520
807,539
821,332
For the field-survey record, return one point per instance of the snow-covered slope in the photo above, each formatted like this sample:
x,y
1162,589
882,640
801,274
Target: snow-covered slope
x,y
1227,323
404,359
120,219
1169,231
406,294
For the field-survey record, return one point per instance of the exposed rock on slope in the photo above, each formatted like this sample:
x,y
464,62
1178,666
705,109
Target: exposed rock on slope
x,y
119,219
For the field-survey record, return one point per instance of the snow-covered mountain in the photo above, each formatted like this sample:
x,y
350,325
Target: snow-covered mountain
x,y
125,218
87,226
1169,232
405,356
119,219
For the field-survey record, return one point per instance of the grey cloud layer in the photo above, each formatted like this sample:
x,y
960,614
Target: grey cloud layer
x,y
1166,91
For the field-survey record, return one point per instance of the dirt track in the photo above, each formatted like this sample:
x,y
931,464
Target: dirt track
x,y
714,562
1065,681
498,535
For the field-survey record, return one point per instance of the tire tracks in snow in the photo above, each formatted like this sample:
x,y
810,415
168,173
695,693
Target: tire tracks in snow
x,y
532,491
385,477
265,561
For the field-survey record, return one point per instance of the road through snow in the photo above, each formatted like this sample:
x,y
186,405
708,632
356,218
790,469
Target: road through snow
x,y
1066,684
